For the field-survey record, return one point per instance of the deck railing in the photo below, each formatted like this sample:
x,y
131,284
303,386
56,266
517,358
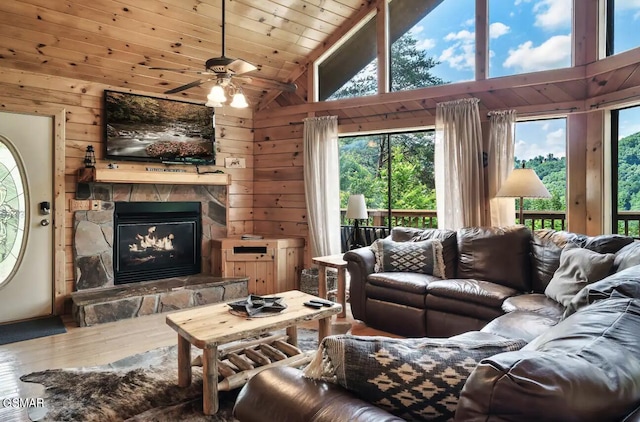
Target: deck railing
x,y
378,223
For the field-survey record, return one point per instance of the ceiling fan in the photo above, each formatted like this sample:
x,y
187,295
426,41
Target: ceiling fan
x,y
225,71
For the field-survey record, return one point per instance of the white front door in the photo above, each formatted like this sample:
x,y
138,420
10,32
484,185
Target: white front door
x,y
26,229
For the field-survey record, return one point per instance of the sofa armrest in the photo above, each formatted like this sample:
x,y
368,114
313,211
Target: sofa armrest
x,y
360,263
283,394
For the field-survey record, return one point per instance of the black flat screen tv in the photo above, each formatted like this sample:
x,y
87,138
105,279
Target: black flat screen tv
x,y
143,128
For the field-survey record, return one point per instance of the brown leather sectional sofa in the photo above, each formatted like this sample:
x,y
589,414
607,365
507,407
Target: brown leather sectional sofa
x,y
581,363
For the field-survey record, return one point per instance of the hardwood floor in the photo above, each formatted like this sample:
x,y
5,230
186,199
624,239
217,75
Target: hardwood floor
x,y
97,345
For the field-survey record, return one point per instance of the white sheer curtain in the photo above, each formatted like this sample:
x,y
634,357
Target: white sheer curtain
x,y
459,174
501,151
322,184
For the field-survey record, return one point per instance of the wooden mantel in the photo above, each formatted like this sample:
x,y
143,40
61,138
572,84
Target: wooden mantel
x,y
106,175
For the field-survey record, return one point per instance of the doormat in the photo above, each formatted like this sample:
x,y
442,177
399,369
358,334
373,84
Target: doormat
x,y
27,330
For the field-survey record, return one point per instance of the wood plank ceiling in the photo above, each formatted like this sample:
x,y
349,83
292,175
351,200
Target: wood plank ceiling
x,y
115,42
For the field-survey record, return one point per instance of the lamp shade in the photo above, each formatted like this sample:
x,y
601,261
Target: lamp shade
x,y
523,183
357,208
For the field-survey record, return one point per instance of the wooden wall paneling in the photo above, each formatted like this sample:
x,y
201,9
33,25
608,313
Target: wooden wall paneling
x,y
283,200
595,189
633,79
576,172
611,81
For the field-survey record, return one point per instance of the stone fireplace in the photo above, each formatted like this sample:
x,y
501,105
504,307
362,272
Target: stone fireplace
x,y
134,218
94,231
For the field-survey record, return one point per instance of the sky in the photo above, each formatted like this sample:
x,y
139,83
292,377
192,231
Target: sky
x,y
524,36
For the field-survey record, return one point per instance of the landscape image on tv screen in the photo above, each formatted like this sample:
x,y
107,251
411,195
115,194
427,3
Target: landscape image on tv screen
x,y
144,128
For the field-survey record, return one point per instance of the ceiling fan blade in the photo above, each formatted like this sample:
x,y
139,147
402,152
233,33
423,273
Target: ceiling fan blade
x,y
184,87
266,83
239,66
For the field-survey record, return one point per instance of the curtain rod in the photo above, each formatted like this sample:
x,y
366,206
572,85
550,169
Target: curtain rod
x,y
569,109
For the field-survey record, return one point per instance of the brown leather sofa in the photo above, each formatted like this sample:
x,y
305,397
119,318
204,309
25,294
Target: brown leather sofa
x,y
581,363
489,271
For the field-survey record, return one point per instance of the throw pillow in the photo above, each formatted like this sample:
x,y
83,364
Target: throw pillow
x,y
418,257
414,379
578,267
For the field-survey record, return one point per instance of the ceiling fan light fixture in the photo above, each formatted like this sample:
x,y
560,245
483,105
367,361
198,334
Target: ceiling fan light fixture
x,y
239,100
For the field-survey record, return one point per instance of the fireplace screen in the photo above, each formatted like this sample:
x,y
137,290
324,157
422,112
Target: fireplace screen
x,y
155,240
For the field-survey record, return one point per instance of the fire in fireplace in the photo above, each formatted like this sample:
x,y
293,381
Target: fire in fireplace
x,y
154,240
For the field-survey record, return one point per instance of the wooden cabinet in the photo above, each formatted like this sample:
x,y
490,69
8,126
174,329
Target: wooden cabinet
x,y
272,265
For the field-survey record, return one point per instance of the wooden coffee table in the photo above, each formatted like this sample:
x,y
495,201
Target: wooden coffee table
x,y
207,327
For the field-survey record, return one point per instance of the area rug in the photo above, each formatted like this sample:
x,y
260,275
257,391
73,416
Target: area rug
x,y
27,330
142,387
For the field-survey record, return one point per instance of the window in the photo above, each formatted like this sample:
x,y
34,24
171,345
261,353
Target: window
x,y
542,145
432,43
623,18
528,36
625,128
12,211
352,69
396,175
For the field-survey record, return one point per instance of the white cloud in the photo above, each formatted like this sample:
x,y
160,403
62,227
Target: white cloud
x,y
469,22
416,29
463,35
426,44
553,14
518,2
551,54
460,55
498,29
553,143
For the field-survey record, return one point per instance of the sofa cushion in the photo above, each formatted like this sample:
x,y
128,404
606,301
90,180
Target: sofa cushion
x,y
586,368
534,302
623,284
403,281
524,325
546,247
449,239
496,254
415,379
421,257
607,243
578,267
627,257
469,290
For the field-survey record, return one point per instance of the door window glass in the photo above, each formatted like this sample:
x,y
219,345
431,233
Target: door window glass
x,y
12,210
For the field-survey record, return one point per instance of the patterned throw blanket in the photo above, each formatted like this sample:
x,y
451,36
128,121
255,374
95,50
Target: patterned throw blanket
x,y
415,379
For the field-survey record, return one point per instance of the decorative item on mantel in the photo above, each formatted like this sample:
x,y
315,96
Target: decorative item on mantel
x,y
90,157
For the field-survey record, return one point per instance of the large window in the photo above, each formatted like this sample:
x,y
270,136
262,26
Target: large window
x,y
623,19
542,145
528,36
432,43
395,173
351,70
625,127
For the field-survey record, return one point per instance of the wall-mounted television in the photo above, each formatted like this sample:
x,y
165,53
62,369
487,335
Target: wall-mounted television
x,y
143,128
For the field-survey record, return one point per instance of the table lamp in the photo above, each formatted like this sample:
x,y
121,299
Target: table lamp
x,y
356,210
523,183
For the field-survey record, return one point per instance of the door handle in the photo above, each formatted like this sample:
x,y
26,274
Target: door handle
x,y
44,222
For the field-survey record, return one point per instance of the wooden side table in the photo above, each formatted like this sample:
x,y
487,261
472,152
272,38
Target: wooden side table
x,y
332,261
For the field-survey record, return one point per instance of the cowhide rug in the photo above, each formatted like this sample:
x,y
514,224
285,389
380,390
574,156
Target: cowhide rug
x,y
142,387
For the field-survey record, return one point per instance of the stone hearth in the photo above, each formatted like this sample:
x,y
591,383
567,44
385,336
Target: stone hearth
x,y
133,300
